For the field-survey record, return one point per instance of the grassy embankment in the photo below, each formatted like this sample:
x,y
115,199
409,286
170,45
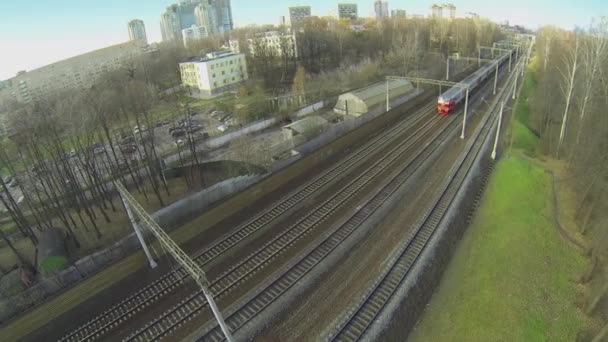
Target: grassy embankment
x,y
512,277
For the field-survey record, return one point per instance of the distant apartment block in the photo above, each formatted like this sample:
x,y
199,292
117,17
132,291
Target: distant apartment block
x,y
437,10
347,11
275,43
215,15
137,31
297,14
193,34
78,72
398,13
451,10
282,20
381,9
214,74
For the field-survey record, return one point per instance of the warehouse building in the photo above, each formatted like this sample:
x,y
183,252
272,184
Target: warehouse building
x,y
362,101
303,129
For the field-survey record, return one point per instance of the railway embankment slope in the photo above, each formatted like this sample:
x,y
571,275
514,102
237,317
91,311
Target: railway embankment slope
x,y
513,277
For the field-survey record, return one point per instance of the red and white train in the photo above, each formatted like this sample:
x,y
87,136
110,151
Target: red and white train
x,y
451,98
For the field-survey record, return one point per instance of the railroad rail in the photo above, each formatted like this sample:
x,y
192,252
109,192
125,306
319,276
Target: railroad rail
x,y
254,262
365,312
135,303
264,297
306,262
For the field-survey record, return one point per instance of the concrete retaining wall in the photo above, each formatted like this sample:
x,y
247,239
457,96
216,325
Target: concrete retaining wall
x,y
168,217
309,109
226,138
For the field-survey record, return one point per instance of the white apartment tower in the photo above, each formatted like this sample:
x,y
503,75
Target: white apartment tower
x,y
381,9
297,14
194,33
137,31
215,15
347,11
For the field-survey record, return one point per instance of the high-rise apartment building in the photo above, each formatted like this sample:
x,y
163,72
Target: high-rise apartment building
x,y
451,10
437,10
137,31
347,11
282,20
215,15
297,14
381,9
194,33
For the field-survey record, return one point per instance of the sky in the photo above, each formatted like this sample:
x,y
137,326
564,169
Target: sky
x,y
34,34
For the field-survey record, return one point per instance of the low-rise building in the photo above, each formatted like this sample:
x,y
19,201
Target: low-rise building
x,y
304,129
273,42
362,101
193,34
214,74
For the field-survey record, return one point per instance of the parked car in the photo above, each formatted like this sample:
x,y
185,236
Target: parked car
x,y
13,183
128,149
178,133
37,169
173,129
138,129
194,128
123,166
130,140
202,135
99,150
222,128
225,117
180,142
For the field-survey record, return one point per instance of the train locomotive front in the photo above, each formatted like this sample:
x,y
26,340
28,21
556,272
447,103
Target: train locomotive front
x,y
451,98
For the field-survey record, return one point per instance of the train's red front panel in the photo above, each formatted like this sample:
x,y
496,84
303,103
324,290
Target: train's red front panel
x,y
444,108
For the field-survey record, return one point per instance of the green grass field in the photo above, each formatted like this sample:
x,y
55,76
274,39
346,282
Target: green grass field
x,y
512,277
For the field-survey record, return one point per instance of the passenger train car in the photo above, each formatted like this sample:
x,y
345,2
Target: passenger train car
x,y
451,98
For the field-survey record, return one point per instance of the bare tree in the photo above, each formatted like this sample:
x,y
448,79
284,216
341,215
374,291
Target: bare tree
x,y
571,63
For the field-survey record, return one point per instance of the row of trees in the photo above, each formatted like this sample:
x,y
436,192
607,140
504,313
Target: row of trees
x,y
569,116
69,147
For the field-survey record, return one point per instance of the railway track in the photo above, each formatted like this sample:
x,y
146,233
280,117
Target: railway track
x,y
367,310
261,257
333,239
129,307
262,298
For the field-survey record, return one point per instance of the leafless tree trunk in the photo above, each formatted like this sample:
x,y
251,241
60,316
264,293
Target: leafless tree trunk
x,y
569,77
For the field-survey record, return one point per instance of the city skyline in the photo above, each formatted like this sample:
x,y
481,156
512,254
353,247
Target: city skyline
x,y
50,38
